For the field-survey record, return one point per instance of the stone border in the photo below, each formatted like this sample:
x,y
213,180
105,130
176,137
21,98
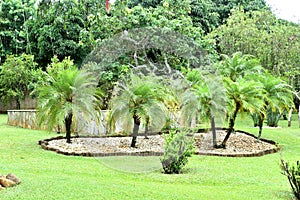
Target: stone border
x,y
44,145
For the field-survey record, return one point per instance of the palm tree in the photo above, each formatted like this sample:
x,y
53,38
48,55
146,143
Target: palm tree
x,y
242,95
139,100
278,96
239,65
71,94
204,99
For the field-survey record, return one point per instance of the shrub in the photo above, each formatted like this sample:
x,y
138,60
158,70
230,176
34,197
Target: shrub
x,y
293,174
178,147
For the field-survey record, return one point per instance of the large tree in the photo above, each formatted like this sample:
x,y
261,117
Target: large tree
x,y
275,43
14,37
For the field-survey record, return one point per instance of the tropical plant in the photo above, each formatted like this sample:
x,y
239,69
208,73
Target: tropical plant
x,y
278,97
292,171
178,147
71,95
204,98
242,95
239,65
138,101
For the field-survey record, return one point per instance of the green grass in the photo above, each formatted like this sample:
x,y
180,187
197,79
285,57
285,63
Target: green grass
x,y
47,175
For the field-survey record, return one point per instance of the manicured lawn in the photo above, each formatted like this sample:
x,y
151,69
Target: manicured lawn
x,y
47,175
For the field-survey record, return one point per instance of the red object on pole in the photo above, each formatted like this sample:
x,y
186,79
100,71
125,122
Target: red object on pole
x,y
107,5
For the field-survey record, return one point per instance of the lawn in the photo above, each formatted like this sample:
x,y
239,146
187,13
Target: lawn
x,y
47,175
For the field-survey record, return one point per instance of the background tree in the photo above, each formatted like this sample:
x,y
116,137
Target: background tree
x,y
71,95
14,37
16,74
275,43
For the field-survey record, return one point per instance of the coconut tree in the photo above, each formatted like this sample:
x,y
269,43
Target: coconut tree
x,y
71,94
138,100
242,95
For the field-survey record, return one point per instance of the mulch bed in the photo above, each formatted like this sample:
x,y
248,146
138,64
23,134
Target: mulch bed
x,y
240,144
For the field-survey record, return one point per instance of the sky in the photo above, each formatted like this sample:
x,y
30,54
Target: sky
x,y
286,9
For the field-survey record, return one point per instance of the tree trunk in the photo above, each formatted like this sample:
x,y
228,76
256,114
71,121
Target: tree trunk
x,y
231,126
147,128
261,122
68,123
299,115
213,130
136,126
290,117
18,104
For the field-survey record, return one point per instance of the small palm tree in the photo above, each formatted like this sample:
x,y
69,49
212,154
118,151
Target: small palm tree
x,y
278,96
239,65
204,99
71,94
242,95
140,100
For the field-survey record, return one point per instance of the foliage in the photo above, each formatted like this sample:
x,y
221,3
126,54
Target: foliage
x,y
204,97
207,14
57,30
14,38
277,99
259,33
16,74
239,65
292,171
178,147
72,94
140,99
273,117
243,92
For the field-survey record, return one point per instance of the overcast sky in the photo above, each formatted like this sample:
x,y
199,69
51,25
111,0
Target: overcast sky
x,y
286,9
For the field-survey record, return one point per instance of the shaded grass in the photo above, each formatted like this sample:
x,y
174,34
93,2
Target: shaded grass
x,y
47,175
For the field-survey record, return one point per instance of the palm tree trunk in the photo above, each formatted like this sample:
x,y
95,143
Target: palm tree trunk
x,y
136,126
147,128
231,126
213,130
261,121
68,123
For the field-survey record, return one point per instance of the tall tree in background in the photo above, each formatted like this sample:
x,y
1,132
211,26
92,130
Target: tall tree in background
x,y
16,75
14,37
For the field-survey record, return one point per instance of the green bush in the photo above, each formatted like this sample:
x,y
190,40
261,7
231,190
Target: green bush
x,y
178,147
293,174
